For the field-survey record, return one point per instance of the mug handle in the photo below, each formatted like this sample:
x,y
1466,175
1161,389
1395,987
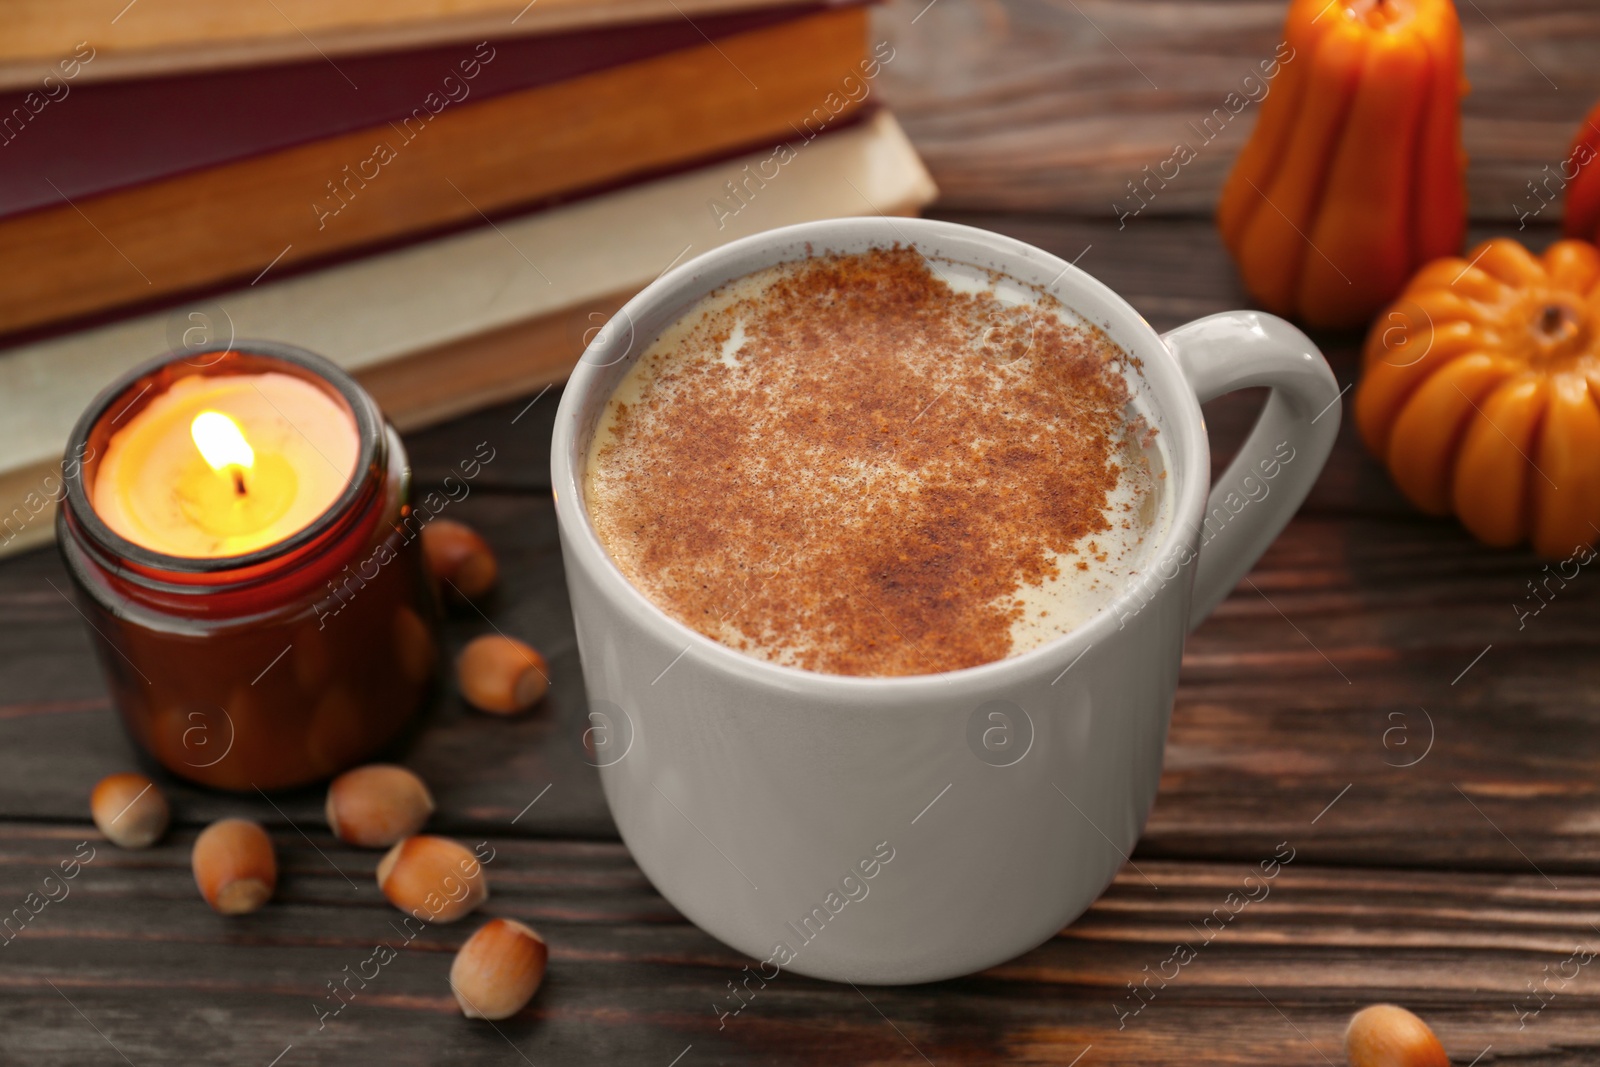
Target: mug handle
x,y
1293,436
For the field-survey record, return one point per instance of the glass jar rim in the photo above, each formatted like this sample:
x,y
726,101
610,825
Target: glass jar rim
x,y
305,365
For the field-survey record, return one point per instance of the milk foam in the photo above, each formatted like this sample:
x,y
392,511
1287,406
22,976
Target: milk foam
x,y
1090,576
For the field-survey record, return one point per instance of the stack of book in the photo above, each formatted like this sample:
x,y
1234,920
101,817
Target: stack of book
x,y
445,197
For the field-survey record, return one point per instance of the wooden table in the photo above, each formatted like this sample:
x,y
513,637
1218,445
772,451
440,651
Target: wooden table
x,y
1368,700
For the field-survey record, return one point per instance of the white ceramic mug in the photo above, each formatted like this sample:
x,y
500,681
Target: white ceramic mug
x,y
910,829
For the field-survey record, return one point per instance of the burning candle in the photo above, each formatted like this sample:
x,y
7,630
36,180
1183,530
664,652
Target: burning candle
x,y
222,466
240,541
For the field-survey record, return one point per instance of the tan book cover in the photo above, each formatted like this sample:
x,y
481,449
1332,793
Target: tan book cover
x,y
312,201
137,38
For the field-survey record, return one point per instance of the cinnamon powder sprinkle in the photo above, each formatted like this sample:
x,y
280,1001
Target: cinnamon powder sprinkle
x,y
856,469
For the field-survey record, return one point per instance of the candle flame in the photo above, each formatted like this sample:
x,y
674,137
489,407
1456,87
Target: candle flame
x,y
220,441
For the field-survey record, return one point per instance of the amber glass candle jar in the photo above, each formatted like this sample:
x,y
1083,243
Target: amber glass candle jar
x,y
284,664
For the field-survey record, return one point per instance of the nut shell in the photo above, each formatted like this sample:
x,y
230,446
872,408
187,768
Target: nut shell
x,y
1385,1035
460,559
130,810
432,878
498,970
234,866
377,805
502,675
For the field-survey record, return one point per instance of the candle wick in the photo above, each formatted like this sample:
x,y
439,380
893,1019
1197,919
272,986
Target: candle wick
x,y
238,481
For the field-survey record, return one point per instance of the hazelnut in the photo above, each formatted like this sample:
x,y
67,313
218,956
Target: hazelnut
x,y
376,805
432,878
130,810
459,558
501,674
234,866
1384,1035
498,970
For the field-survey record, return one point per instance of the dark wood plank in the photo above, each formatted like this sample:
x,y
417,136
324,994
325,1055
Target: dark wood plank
x,y
1267,729
1353,646
1056,105
519,433
135,951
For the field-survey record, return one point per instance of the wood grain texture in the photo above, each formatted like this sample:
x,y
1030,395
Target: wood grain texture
x,y
1055,105
129,957
1266,730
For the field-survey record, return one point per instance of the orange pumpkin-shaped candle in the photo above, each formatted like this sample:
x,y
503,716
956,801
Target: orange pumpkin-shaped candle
x,y
1354,174
1479,391
1582,214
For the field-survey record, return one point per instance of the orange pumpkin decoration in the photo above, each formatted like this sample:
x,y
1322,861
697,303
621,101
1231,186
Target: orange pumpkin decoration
x,y
1354,175
1479,392
1579,170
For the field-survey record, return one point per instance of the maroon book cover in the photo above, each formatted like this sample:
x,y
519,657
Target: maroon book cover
x,y
103,136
